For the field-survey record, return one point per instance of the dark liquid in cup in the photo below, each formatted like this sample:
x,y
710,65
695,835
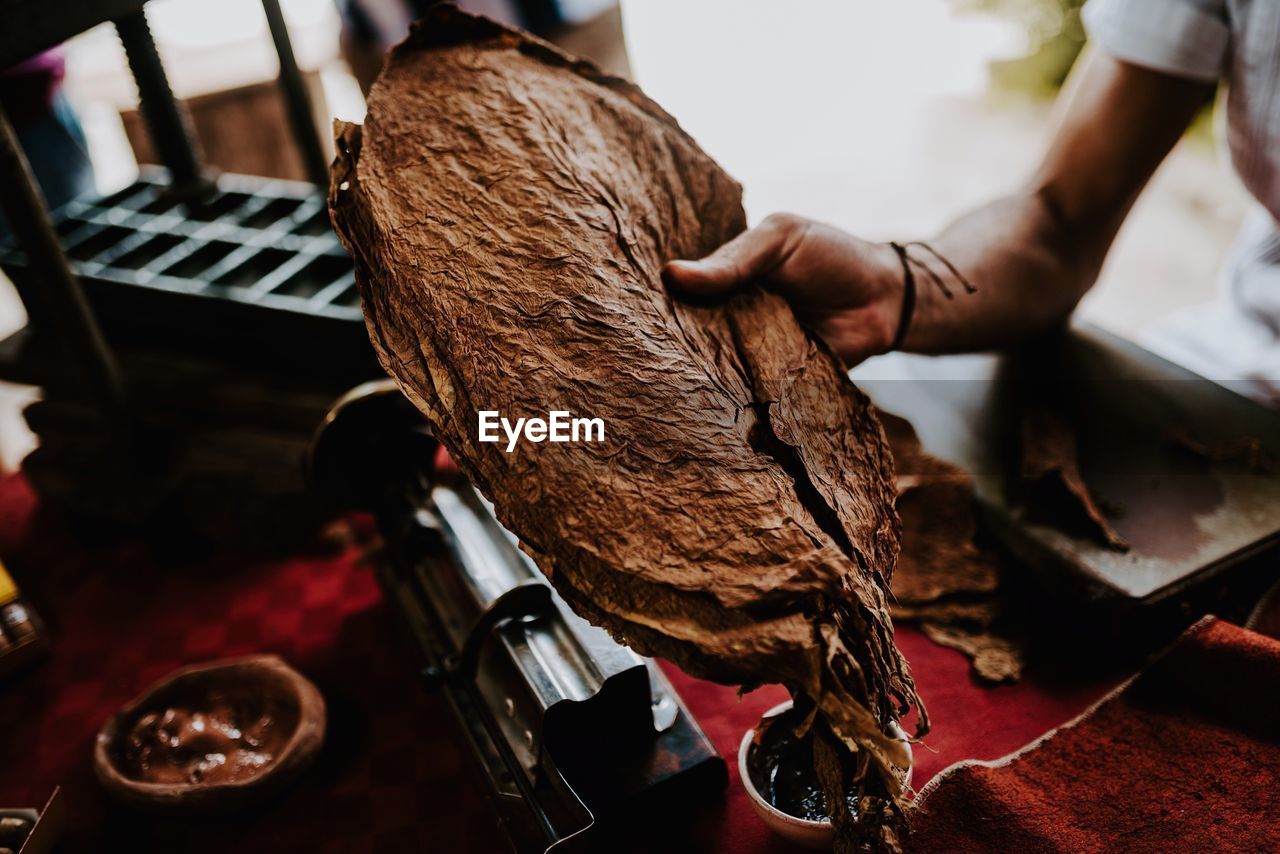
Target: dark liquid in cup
x,y
781,768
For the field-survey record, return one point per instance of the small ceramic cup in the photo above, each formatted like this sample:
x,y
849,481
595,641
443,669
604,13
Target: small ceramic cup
x,y
815,835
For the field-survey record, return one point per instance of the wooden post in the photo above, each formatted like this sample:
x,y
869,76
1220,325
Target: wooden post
x,y
54,297
167,121
297,101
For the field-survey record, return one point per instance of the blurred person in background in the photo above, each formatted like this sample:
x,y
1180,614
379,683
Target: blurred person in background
x,y
588,28
51,138
48,130
1150,69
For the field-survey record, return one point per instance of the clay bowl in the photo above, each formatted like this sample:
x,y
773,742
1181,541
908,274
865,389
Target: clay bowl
x,y
260,688
815,835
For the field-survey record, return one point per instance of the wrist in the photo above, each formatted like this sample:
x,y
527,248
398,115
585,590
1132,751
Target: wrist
x,y
890,305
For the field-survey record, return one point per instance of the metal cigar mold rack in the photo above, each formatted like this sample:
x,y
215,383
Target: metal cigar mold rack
x,y
569,728
231,287
182,251
253,255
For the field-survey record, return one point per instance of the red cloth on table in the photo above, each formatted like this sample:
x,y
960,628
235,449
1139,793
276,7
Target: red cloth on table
x,y
391,777
1184,758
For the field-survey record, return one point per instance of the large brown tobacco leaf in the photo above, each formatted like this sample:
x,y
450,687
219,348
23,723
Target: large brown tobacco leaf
x,y
509,210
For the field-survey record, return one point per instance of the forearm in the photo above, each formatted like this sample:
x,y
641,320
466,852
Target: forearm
x,y
1029,267
1032,256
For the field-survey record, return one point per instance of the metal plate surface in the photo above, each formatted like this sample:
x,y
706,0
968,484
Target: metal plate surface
x,y
1184,515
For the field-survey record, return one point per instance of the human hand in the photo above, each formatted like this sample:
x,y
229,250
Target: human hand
x,y
846,290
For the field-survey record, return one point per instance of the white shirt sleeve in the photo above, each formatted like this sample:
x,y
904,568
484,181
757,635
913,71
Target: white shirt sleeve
x,y
1186,38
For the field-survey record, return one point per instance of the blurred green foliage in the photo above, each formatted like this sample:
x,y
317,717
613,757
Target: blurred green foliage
x,y
1055,37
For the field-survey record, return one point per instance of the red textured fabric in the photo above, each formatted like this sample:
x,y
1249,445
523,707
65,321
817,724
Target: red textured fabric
x,y
391,777
1184,758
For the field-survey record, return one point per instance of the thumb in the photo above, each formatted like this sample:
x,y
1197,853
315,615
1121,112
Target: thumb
x,y
751,255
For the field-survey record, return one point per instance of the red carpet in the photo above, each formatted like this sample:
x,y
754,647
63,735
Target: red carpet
x,y
1184,758
390,778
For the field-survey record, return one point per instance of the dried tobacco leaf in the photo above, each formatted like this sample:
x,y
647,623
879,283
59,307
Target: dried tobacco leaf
x,y
940,554
509,209
945,580
996,658
1050,468
1247,452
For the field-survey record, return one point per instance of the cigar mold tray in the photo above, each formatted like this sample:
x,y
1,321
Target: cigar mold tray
x,y
250,264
